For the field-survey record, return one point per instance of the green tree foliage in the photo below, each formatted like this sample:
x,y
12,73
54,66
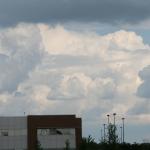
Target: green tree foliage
x,y
67,145
112,137
88,144
38,146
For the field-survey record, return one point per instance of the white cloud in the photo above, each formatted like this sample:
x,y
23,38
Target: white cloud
x,y
20,52
125,40
47,69
57,40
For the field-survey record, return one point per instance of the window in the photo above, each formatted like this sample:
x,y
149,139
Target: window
x,y
4,133
56,131
13,132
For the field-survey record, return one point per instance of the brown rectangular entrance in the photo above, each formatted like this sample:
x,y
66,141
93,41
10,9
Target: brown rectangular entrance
x,y
53,123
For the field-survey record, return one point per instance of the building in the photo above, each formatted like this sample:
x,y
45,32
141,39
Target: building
x,y
52,132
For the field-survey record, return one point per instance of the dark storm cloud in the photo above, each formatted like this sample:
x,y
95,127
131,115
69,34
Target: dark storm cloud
x,y
108,11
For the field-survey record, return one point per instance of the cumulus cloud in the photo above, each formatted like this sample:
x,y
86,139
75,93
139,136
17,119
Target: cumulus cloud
x,y
79,86
49,69
19,53
90,44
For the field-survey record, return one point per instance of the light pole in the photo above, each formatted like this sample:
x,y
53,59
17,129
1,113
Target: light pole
x,y
101,135
121,134
104,131
114,114
108,128
123,127
108,118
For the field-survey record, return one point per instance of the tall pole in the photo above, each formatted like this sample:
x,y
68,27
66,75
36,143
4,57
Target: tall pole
x,y
108,118
108,128
121,134
104,132
114,114
123,127
101,135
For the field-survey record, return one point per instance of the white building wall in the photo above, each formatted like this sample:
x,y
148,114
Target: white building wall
x,y
13,133
51,140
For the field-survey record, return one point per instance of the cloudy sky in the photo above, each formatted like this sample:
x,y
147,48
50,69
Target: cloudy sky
x,y
84,57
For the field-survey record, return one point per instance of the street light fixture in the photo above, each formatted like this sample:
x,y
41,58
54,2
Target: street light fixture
x,y
108,118
114,114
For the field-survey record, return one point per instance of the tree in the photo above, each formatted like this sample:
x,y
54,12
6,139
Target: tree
x,y
88,144
67,145
112,137
38,146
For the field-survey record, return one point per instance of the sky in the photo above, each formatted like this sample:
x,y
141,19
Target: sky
x,y
85,57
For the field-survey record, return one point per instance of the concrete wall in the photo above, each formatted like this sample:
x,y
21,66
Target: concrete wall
x,y
13,133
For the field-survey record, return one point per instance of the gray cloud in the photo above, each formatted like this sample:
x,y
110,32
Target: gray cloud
x,y
63,61
77,88
16,56
131,11
144,88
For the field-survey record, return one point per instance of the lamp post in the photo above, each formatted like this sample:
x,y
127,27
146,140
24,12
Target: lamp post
x,y
108,118
101,135
121,134
114,114
108,128
104,132
123,128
